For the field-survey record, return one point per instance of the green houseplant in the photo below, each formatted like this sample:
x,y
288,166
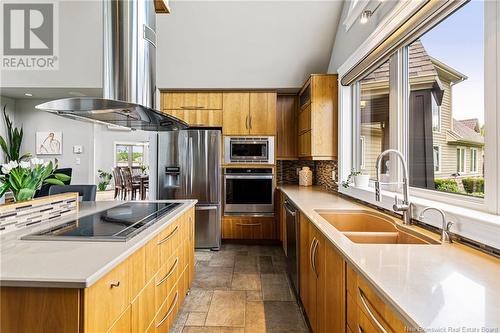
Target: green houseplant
x,y
11,145
104,179
25,177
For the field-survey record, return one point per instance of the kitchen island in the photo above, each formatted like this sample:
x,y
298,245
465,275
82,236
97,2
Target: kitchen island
x,y
98,286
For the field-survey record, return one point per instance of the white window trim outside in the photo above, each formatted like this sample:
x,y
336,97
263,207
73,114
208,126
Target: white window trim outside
x,y
474,166
439,118
463,159
474,218
363,152
438,171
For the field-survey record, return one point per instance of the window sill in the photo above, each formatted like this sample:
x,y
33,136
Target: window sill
x,y
471,223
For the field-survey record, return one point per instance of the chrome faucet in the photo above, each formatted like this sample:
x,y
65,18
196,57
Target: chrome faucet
x,y
445,232
405,206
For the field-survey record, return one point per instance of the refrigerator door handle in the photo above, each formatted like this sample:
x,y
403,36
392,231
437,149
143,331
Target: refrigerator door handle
x,y
191,168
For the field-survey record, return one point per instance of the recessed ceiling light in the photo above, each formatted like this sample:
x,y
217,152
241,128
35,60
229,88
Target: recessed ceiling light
x,y
28,94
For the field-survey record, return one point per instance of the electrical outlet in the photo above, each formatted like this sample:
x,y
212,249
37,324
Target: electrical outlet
x,y
333,175
77,161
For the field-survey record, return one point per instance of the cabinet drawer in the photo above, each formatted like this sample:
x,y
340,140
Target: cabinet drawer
x,y
168,241
107,299
166,279
192,100
305,144
375,310
305,120
143,308
198,117
152,259
168,311
248,228
122,325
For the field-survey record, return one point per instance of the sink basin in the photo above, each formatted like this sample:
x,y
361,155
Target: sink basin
x,y
367,227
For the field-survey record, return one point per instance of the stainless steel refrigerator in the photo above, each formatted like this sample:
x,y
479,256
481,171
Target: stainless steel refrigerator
x,y
189,167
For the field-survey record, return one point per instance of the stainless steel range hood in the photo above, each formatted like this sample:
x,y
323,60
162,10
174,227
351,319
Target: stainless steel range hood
x,y
129,67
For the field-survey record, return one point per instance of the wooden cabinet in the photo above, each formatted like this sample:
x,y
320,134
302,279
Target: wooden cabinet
x,y
249,113
247,227
322,280
198,109
318,119
235,113
141,294
286,127
187,100
366,311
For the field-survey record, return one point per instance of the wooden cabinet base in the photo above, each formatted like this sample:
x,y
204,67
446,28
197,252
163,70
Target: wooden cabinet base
x,y
136,296
249,227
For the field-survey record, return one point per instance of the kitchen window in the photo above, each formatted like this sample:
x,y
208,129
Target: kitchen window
x,y
133,155
443,74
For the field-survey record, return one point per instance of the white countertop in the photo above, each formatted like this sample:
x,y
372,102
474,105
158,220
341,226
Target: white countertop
x,y
70,264
433,287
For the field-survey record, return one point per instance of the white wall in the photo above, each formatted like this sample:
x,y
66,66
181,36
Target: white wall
x,y
80,50
346,42
244,44
73,133
11,104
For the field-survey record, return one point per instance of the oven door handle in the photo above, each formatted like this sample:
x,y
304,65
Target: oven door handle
x,y
247,177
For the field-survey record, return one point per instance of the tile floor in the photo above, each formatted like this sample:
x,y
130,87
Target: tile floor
x,y
241,288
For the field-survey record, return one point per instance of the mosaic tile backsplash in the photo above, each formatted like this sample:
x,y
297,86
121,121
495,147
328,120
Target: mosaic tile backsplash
x,y
322,172
24,214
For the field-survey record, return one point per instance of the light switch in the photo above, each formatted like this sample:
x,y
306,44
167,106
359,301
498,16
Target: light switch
x,y
78,149
77,161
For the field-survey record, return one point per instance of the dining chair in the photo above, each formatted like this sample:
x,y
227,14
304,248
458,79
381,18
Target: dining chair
x,y
119,186
85,192
129,184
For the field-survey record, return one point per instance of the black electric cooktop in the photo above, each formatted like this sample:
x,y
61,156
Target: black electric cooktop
x,y
117,224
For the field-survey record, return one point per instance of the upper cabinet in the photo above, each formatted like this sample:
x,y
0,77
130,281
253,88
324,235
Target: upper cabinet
x,y
249,113
318,119
286,127
198,109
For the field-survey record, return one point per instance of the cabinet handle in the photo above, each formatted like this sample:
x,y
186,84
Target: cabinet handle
x,y
250,121
169,236
114,284
170,310
246,122
189,107
314,257
370,313
249,224
310,253
360,329
169,272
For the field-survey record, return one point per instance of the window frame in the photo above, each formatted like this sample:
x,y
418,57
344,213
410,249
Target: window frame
x,y
463,210
439,126
474,152
130,145
461,159
438,171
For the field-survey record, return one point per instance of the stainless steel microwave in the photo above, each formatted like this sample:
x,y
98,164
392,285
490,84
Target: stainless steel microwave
x,y
245,149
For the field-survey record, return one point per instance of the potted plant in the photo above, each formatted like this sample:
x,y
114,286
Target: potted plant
x,y
25,177
104,179
358,178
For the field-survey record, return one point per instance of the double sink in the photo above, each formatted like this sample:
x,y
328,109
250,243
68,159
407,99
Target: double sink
x,y
368,227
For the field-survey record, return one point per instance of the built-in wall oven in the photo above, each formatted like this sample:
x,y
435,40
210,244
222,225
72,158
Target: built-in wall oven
x,y
248,191
245,149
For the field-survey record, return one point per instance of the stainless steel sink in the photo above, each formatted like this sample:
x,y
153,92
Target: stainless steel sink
x,y
367,227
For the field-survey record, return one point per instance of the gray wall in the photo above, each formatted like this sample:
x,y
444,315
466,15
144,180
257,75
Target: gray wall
x,y
80,50
73,133
11,104
346,42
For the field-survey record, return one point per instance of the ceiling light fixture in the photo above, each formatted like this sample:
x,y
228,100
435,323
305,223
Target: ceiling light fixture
x,y
28,94
365,16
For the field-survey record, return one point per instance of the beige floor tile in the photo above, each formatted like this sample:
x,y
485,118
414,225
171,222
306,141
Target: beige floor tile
x,y
246,264
255,317
275,288
214,279
254,296
193,329
283,317
243,281
196,319
198,300
227,309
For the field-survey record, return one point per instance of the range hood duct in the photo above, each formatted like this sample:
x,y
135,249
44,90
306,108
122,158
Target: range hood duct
x,y
129,67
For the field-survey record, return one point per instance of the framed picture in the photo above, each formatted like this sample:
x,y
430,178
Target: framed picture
x,y
49,143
